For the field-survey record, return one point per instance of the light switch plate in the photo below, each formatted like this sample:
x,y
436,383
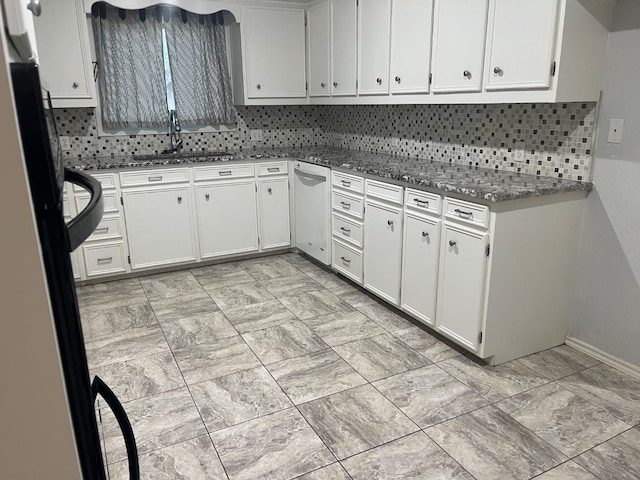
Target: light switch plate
x,y
256,135
518,153
65,143
616,126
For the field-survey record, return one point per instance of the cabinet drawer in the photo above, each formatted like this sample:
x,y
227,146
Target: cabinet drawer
x,y
224,172
154,177
107,180
272,168
385,191
103,259
423,201
107,228
348,182
349,204
109,199
347,229
465,212
347,260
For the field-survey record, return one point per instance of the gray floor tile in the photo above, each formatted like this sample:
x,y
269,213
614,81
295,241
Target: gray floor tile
x,y
328,280
187,306
288,340
558,362
428,345
170,285
330,472
194,459
111,294
385,317
239,295
611,389
491,445
314,304
414,456
382,356
281,445
158,421
215,359
566,421
221,275
106,322
353,296
141,377
567,471
617,459
291,285
202,328
227,401
130,344
258,316
315,375
429,395
338,328
493,383
296,259
356,420
269,268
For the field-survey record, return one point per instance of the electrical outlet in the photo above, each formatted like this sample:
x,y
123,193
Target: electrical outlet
x,y
616,126
518,155
256,135
65,143
395,142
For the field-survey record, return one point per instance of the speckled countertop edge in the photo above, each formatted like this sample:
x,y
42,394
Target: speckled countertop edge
x,y
444,177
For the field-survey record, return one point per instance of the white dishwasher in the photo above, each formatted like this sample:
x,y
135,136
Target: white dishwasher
x,y
312,210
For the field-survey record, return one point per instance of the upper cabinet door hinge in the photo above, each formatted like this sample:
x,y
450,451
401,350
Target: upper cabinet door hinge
x,y
129,259
480,337
553,69
121,201
256,187
430,78
488,249
357,3
306,85
305,20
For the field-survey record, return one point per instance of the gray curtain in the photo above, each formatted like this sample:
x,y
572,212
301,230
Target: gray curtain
x,y
130,66
198,57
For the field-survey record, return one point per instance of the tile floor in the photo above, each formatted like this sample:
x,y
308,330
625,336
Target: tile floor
x,y
276,368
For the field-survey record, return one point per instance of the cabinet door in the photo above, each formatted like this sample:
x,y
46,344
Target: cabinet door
x,y
522,42
274,212
274,44
318,42
373,44
383,250
410,45
420,258
159,228
459,28
461,289
227,219
64,55
344,43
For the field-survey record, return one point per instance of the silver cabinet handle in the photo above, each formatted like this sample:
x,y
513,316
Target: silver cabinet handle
x,y
462,213
102,230
346,231
269,190
425,234
419,200
346,183
335,84
75,85
379,80
226,173
466,74
397,79
157,178
389,222
345,204
207,197
498,71
104,260
345,259
273,169
179,200
323,84
452,243
258,86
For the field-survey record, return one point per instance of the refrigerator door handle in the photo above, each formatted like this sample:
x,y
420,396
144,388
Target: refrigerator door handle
x,y
98,387
83,224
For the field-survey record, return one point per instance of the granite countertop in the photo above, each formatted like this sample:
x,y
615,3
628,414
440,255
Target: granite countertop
x,y
473,182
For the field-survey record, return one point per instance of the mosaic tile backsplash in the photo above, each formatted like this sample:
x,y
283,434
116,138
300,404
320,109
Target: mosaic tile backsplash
x,y
557,138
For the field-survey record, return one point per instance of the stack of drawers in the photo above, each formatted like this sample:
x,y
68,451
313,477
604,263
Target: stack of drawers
x,y
347,201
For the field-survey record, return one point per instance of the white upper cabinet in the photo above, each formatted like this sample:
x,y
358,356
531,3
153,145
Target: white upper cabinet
x,y
274,52
411,22
344,44
318,48
64,54
458,45
522,35
373,45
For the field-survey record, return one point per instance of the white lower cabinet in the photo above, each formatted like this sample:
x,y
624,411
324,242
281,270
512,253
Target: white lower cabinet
x,y
159,225
383,250
273,201
420,258
104,259
227,218
461,286
347,260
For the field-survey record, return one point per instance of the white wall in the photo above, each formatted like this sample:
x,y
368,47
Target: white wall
x,y
606,311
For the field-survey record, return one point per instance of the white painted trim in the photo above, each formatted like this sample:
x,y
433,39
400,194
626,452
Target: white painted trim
x,y
615,362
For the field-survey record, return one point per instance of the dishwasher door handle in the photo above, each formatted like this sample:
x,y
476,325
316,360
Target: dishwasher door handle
x,y
302,173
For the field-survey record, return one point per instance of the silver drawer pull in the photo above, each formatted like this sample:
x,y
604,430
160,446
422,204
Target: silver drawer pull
x,y
104,260
102,230
157,178
273,169
346,231
346,183
425,234
226,173
419,200
452,243
345,259
462,213
345,205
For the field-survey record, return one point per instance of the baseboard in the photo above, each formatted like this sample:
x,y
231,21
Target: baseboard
x,y
604,357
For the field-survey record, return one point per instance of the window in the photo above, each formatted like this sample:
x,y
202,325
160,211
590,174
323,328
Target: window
x,y
158,60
